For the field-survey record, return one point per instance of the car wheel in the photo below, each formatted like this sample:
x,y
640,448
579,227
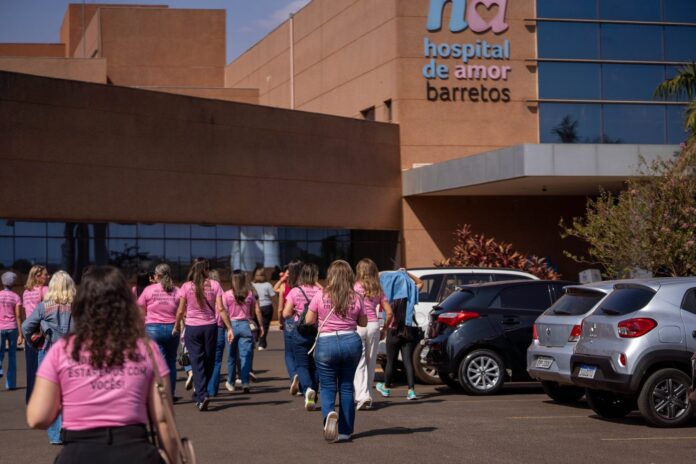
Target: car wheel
x,y
425,374
609,405
449,380
482,372
562,393
664,398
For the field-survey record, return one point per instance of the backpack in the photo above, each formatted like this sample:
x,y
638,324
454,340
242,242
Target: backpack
x,y
303,328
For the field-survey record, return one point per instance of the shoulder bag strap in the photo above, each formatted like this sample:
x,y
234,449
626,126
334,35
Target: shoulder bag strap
x,y
321,326
165,398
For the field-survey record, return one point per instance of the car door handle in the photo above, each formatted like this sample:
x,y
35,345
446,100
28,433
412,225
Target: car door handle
x,y
511,321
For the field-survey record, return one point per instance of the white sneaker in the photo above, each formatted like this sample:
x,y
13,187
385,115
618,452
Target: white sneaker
x,y
331,427
364,404
252,376
238,381
261,348
310,402
230,387
343,437
189,382
295,385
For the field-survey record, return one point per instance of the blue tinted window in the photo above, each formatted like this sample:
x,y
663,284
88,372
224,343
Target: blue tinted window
x,y
203,231
630,82
567,9
151,230
54,249
569,123
568,40
177,231
634,123
177,251
6,227
631,42
679,11
153,249
55,229
229,232
6,252
203,249
31,249
569,80
122,230
641,10
30,229
680,43
675,124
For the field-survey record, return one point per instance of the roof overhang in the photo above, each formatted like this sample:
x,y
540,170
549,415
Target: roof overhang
x,y
542,169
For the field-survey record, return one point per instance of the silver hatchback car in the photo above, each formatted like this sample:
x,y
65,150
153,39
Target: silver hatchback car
x,y
635,351
556,332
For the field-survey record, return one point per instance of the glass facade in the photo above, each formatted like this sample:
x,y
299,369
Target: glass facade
x,y
619,63
139,247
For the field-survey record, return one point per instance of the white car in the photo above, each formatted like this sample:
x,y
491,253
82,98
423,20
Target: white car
x,y
438,283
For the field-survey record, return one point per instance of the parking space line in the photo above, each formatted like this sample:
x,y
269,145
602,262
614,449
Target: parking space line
x,y
648,438
545,417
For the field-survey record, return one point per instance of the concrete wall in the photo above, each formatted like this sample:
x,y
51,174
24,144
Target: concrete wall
x,y
104,153
250,96
30,49
62,68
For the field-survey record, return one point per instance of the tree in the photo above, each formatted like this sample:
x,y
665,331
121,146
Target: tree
x,y
476,250
650,225
683,84
567,130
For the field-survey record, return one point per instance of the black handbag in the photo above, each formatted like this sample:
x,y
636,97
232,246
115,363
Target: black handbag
x,y
304,329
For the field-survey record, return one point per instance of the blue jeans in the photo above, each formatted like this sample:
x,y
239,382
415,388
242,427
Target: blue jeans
x,y
168,344
337,359
31,357
54,428
288,330
214,384
244,343
9,335
304,362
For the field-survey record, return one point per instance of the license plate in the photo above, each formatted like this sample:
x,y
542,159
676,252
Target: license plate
x,y
587,372
544,363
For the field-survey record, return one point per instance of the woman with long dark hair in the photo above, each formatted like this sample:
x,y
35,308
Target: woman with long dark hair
x,y
200,301
240,302
339,310
288,281
298,299
367,285
101,377
159,303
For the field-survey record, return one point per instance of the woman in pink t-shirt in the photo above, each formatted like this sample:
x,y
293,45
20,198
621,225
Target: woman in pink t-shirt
x,y
159,302
296,302
288,281
368,286
200,302
339,310
102,379
240,302
10,322
34,291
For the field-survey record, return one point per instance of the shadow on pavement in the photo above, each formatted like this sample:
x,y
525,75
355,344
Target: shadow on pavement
x,y
222,407
393,431
389,404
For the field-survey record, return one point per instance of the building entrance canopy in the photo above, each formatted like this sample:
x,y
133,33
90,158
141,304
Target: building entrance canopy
x,y
543,169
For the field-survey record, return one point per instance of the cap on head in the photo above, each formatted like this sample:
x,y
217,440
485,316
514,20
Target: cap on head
x,y
9,279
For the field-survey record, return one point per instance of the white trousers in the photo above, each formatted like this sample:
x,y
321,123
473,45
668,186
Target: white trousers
x,y
365,374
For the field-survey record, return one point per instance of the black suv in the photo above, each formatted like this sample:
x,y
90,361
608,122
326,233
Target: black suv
x,y
478,336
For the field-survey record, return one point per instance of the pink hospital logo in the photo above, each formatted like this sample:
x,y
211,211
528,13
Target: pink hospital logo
x,y
462,17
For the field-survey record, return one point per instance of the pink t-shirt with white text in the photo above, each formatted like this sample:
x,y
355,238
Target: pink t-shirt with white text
x,y
195,315
298,299
31,298
160,306
370,303
8,304
93,398
321,304
238,311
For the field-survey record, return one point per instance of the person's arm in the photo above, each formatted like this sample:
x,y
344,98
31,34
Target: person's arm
x,y
224,317
180,315
33,322
416,280
278,286
259,317
18,315
288,309
156,409
44,404
388,316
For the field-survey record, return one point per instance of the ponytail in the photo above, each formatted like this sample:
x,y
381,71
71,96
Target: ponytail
x,y
164,272
198,274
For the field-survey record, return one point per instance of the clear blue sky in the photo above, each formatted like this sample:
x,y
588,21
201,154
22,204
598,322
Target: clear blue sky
x,y
38,21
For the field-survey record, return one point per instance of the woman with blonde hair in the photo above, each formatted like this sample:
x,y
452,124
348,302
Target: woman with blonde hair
x,y
102,378
159,303
367,285
52,318
34,291
339,310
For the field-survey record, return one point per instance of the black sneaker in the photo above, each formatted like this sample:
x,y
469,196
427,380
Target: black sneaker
x,y
203,405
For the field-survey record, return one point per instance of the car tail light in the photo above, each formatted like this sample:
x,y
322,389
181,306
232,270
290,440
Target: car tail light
x,y
535,335
633,328
622,359
575,333
454,319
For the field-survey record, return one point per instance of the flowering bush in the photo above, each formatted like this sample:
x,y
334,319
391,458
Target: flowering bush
x,y
650,225
475,250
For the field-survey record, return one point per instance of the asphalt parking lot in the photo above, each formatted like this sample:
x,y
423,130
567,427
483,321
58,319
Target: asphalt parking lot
x,y
520,426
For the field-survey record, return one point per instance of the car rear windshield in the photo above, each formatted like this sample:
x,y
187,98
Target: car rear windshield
x,y
626,300
456,301
574,303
